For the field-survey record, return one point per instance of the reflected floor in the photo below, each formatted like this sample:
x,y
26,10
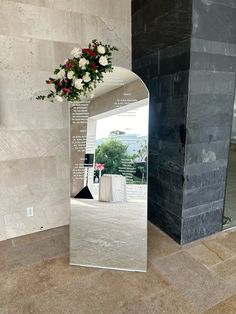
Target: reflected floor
x,y
112,235
230,202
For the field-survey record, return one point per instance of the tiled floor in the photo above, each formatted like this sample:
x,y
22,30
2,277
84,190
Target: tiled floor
x,y
198,278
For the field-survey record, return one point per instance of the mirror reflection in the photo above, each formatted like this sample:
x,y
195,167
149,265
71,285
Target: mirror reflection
x,y
108,153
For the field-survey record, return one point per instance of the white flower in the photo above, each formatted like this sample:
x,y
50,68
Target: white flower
x,y
103,61
61,74
76,52
52,88
86,77
59,98
70,75
78,83
65,61
101,49
82,62
54,76
92,95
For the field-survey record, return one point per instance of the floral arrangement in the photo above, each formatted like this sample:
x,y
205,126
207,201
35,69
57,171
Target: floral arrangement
x,y
80,74
99,166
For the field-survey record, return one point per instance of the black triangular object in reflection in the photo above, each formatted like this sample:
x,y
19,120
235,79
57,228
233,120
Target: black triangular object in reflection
x,y
84,193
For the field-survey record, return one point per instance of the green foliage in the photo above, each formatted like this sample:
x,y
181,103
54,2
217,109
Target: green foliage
x,y
111,152
143,151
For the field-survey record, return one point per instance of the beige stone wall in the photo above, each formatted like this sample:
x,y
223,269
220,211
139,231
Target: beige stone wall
x,y
36,35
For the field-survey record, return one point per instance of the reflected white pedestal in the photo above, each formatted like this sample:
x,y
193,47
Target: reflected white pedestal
x,y
112,188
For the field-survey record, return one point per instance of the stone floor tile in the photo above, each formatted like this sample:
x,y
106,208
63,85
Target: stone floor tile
x,y
169,301
110,295
146,283
201,253
226,307
4,245
3,309
229,241
36,279
194,281
102,293
37,251
218,247
226,270
42,235
3,264
159,244
137,306
166,301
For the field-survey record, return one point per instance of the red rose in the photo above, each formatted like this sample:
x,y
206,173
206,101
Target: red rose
x,y
93,66
89,52
68,65
65,90
92,53
48,82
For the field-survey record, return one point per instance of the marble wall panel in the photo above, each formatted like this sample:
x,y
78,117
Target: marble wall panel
x,y
18,144
17,223
35,36
112,8
20,171
35,194
63,26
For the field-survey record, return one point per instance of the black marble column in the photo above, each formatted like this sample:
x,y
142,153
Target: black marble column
x,y
185,51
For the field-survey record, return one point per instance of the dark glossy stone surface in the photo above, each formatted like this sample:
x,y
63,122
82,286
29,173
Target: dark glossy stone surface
x,y
214,21
185,51
158,24
165,220
196,227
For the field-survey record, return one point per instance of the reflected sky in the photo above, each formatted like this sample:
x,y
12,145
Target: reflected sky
x,y
132,122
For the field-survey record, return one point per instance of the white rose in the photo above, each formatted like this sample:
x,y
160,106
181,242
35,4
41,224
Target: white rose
x,y
70,75
59,98
76,52
103,61
61,74
54,76
86,77
82,62
101,49
52,88
78,84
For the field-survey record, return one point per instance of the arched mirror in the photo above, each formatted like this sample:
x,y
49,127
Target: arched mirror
x,y
108,154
